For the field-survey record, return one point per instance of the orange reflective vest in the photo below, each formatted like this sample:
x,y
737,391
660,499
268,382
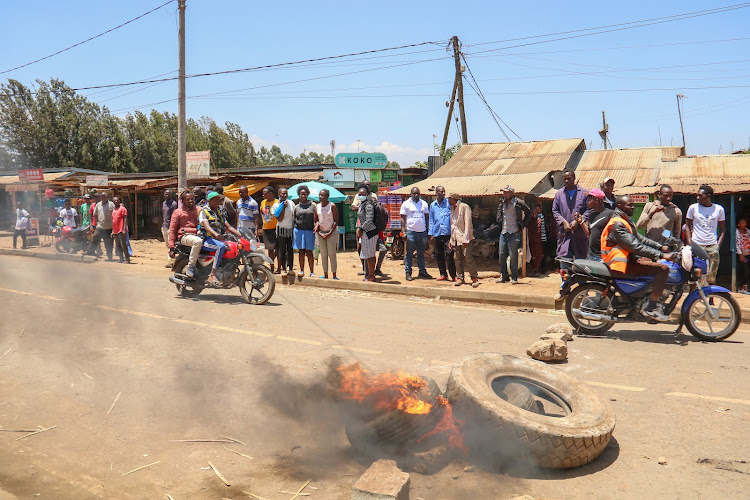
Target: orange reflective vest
x,y
615,257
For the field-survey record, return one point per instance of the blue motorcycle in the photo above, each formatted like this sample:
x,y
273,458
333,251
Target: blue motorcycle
x,y
595,301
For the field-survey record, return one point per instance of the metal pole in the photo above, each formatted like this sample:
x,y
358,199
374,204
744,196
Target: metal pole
x,y
181,119
732,242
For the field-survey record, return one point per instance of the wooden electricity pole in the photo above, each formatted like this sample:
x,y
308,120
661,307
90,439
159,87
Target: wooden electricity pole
x,y
604,131
181,119
450,115
460,90
680,97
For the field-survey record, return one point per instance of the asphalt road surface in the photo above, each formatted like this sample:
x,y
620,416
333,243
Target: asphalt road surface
x,y
124,369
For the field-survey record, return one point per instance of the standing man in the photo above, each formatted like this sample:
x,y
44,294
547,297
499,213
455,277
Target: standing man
x,y
660,215
86,210
462,241
167,209
103,215
569,201
608,187
440,233
69,215
512,217
120,229
703,220
536,230
594,225
413,219
248,213
183,228
22,223
269,224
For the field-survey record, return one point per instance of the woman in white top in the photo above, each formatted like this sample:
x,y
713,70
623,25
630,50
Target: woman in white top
x,y
326,226
284,212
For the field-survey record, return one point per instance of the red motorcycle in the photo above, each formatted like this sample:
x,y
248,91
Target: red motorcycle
x,y
73,239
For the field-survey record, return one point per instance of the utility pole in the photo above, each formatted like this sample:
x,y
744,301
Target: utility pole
x,y
333,149
680,97
460,89
449,104
117,150
181,119
605,130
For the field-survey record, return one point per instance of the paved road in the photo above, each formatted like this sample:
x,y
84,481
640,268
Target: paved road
x,y
75,336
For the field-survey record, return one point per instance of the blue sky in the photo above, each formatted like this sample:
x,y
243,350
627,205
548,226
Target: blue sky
x,y
395,103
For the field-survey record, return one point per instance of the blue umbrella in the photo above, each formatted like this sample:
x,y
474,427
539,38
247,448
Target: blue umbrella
x,y
334,196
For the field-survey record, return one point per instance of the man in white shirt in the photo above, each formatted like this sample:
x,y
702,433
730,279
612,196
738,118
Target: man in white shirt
x,y
69,215
703,219
22,223
248,214
413,219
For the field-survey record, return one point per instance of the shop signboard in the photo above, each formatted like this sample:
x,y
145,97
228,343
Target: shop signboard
x,y
97,180
339,177
198,164
361,160
639,198
31,174
375,176
390,175
32,232
361,176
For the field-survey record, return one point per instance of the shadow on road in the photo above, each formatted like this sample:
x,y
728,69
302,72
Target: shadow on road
x,y
666,337
226,299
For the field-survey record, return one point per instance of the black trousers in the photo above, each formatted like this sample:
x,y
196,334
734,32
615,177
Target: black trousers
x,y
443,254
286,252
743,271
122,246
22,234
100,234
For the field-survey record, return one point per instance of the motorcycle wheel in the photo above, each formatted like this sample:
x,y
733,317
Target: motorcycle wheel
x,y
579,298
397,249
702,326
64,246
186,291
257,287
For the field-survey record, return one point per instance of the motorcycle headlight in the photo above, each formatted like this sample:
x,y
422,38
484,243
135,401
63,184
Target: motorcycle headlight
x,y
687,258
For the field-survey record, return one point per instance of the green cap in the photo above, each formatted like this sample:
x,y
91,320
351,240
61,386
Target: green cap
x,y
212,194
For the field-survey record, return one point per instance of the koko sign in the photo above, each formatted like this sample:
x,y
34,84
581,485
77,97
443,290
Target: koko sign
x,y
361,160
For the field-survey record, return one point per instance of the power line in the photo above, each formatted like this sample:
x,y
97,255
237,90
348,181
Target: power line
x,y
494,115
87,40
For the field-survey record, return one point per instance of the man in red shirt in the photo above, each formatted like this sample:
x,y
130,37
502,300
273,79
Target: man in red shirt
x,y
119,228
183,228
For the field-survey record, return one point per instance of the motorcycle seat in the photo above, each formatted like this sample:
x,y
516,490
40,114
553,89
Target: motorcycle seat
x,y
186,249
592,267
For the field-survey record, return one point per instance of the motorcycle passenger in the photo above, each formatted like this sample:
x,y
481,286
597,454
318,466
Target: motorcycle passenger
x,y
627,253
183,227
211,229
595,223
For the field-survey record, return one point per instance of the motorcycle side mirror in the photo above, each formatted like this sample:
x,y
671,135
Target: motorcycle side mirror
x,y
666,233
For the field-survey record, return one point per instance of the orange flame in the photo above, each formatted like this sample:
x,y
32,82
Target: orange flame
x,y
449,425
384,391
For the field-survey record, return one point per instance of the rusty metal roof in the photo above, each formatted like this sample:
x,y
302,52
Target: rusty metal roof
x,y
48,176
478,185
511,158
724,173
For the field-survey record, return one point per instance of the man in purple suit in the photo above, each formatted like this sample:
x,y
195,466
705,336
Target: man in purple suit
x,y
568,208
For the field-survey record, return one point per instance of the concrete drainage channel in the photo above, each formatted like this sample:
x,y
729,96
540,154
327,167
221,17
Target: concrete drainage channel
x,y
497,409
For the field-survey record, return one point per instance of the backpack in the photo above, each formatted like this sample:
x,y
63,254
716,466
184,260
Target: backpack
x,y
381,217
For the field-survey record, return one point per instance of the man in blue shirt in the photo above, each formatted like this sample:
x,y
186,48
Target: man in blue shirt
x,y
440,234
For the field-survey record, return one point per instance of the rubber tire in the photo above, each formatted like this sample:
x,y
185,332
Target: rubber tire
x,y
64,246
394,427
397,249
738,315
554,442
519,395
569,311
188,293
250,299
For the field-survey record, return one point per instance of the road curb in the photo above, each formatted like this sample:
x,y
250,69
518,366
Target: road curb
x,y
49,256
469,295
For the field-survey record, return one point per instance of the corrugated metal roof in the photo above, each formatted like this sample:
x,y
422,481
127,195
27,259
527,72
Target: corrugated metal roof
x,y
510,158
724,173
292,176
479,185
635,170
13,179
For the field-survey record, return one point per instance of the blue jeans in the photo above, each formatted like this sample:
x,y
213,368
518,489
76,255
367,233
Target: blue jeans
x,y
509,243
217,246
415,241
597,258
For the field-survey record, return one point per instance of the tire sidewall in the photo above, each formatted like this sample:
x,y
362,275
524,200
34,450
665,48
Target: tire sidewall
x,y
569,310
737,316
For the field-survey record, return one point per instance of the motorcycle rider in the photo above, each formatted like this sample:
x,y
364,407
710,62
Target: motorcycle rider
x,y
627,253
212,224
183,227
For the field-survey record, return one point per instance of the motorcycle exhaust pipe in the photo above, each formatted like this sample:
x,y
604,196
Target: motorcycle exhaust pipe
x,y
176,280
592,316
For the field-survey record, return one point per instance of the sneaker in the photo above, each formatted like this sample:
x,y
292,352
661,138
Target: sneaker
x,y
442,278
459,282
322,277
409,277
425,276
335,278
558,297
300,274
190,272
474,283
513,282
312,275
378,272
361,273
502,280
656,314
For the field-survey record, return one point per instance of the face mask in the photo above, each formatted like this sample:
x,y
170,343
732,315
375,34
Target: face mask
x,y
362,197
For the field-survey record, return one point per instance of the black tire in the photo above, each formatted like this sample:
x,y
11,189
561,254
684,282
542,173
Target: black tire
x,y
501,428
572,301
394,428
397,249
186,291
519,395
250,293
64,246
732,324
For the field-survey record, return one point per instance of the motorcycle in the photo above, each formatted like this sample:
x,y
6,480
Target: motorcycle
x,y
242,265
595,301
395,242
72,239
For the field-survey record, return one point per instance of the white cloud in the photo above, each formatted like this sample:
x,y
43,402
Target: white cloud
x,y
259,142
404,155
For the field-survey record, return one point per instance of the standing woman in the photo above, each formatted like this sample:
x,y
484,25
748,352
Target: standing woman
x,y
367,231
284,212
743,254
326,225
304,223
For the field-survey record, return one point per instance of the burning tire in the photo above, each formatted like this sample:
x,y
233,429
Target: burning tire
x,y
571,439
395,428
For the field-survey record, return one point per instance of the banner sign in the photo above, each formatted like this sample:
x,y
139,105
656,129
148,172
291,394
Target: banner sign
x,y
198,164
339,177
361,176
390,176
32,174
375,176
361,160
639,198
97,180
